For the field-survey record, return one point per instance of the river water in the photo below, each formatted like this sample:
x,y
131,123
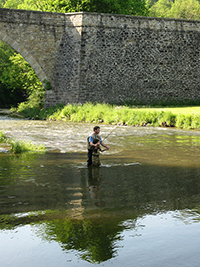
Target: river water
x,y
140,208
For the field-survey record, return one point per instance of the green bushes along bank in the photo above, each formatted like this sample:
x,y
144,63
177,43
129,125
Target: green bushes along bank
x,y
182,117
17,147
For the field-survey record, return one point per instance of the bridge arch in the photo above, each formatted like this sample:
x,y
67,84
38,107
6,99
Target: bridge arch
x,y
25,54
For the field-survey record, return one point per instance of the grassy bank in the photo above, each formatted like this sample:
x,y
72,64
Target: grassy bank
x,y
180,117
18,147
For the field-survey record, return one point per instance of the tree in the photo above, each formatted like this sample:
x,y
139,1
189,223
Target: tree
x,y
11,4
150,3
182,9
161,8
18,80
132,7
2,2
185,9
8,95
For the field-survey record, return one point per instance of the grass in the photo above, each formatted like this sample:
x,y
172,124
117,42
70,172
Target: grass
x,y
180,117
18,147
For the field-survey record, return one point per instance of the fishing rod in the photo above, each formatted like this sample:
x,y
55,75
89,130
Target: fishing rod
x,y
110,133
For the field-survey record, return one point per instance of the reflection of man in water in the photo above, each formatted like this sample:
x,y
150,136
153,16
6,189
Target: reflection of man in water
x,y
91,145
94,184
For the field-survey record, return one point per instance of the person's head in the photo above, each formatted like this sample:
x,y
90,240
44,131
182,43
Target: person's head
x,y
97,129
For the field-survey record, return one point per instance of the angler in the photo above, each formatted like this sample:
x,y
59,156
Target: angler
x,y
93,145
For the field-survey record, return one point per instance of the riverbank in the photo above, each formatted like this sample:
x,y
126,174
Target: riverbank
x,y
180,117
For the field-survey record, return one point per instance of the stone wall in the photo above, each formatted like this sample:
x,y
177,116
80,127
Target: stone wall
x,y
104,57
125,58
66,82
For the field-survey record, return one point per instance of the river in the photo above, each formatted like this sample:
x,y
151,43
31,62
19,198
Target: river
x,y
140,208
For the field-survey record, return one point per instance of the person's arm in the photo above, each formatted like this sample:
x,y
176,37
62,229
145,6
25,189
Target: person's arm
x,y
95,145
107,147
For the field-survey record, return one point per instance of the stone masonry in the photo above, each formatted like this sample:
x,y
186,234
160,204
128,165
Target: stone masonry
x,y
107,58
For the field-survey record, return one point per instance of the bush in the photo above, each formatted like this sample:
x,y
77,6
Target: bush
x,y
184,121
195,124
18,147
166,119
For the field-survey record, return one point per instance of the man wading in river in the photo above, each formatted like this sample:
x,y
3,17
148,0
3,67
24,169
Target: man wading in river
x,y
92,146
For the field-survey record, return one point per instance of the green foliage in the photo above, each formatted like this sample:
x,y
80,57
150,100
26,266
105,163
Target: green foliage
x,y
151,2
8,95
19,74
5,53
112,114
18,80
3,138
182,9
12,3
47,85
2,3
18,147
195,121
30,111
134,7
167,119
185,9
161,8
184,121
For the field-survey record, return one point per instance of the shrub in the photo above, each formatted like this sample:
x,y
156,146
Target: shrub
x,y
18,147
166,119
3,138
184,121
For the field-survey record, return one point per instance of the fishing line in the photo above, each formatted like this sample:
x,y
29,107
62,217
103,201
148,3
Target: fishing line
x,y
110,133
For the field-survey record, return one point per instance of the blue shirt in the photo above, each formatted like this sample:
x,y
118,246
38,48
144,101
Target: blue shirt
x,y
91,139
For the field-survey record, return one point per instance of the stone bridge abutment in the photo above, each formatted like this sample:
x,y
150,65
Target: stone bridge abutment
x,y
105,57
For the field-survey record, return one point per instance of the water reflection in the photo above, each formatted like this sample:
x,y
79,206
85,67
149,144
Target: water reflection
x,y
94,184
49,181
94,240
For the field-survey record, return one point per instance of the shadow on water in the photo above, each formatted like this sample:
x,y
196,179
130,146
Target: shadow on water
x,y
87,209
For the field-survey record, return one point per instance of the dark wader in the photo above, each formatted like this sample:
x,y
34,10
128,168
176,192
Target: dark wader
x,y
89,161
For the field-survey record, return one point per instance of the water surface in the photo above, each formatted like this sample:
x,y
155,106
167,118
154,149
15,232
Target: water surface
x,y
140,208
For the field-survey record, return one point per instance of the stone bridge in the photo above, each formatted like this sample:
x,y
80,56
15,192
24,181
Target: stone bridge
x,y
104,57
